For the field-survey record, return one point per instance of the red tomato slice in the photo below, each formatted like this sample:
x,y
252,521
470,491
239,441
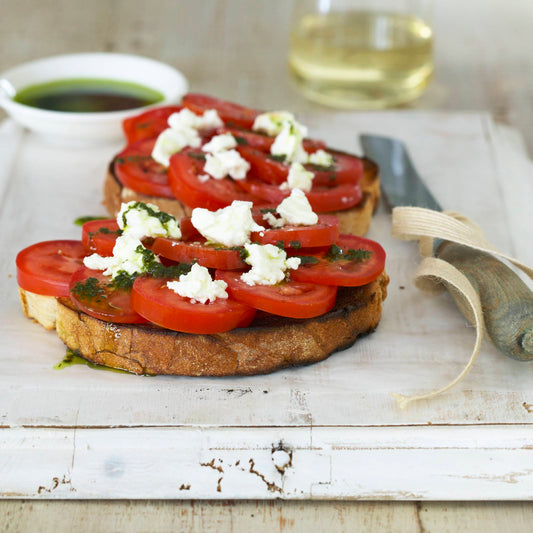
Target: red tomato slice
x,y
46,267
324,233
162,306
135,168
111,305
346,168
263,142
188,231
230,113
289,298
184,171
205,255
100,236
343,272
322,199
148,124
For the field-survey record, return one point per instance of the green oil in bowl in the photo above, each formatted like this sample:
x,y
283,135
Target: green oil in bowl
x,y
87,95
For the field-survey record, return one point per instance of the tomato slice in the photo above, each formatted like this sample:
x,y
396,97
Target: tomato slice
x,y
230,113
46,267
162,306
336,269
184,171
148,124
135,168
346,168
109,304
188,231
209,256
100,236
263,142
289,298
324,233
322,199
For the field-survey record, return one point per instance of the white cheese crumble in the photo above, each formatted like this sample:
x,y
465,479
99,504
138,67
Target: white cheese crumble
x,y
288,142
126,257
227,163
186,119
230,226
298,178
172,141
220,143
269,264
140,220
271,123
183,131
321,158
296,209
199,286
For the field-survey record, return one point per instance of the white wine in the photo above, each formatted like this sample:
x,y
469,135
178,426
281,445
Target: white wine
x,y
361,59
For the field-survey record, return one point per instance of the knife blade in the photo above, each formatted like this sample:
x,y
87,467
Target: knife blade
x,y
506,300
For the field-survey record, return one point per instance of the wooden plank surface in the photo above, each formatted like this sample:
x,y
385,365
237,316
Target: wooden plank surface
x,y
226,54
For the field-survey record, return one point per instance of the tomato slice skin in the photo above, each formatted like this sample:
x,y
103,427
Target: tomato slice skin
x,y
162,306
135,168
291,299
325,232
346,168
205,255
263,142
263,167
343,272
113,305
188,231
229,112
322,199
99,236
184,171
46,267
148,124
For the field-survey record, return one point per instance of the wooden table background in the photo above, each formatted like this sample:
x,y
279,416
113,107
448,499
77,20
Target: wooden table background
x,y
236,50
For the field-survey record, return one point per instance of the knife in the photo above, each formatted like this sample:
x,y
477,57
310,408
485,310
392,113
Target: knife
x,y
506,300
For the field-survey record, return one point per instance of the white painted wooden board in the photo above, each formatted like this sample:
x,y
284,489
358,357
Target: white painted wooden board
x,y
81,433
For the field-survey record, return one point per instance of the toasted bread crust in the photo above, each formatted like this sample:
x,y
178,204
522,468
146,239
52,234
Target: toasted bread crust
x,y
355,220
269,344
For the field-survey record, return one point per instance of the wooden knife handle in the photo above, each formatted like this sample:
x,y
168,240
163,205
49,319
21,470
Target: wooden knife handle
x,y
506,300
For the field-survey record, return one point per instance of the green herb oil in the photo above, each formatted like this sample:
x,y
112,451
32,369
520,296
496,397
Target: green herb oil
x,y
87,95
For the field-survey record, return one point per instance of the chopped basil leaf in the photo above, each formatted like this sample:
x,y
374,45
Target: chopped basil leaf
x,y
196,155
335,253
123,281
320,168
163,217
243,252
308,260
357,255
280,158
89,289
80,221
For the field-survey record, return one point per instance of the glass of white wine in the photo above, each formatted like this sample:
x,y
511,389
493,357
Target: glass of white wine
x,y
361,54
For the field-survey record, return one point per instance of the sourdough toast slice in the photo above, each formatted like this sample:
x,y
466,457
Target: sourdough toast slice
x,y
268,344
355,220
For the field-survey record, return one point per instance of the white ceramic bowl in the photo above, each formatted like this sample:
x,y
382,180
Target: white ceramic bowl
x,y
80,128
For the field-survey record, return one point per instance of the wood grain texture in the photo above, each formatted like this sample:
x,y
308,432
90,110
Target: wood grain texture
x,y
265,516
507,302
